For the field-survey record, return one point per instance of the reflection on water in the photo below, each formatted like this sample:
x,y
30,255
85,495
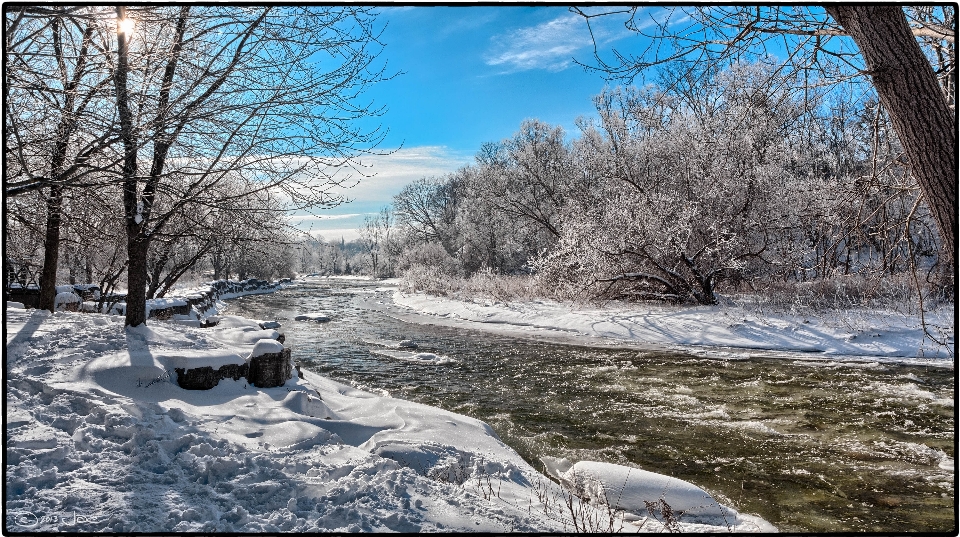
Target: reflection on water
x,y
809,446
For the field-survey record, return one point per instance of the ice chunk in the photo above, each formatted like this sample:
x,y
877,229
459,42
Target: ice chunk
x,y
315,317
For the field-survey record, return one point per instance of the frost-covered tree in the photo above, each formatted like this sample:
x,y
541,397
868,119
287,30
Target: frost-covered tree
x,y
263,96
377,242
56,131
908,53
685,194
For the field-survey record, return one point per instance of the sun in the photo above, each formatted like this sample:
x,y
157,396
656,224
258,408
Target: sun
x,y
125,26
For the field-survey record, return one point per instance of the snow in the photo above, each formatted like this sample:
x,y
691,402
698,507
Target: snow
x,y
631,489
723,332
266,346
239,333
66,297
315,317
100,438
163,303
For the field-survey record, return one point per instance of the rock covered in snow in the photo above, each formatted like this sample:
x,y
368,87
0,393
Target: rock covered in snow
x,y
266,346
407,344
269,364
269,325
315,317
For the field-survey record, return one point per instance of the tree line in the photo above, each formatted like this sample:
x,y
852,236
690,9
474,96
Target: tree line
x,y
142,141
709,180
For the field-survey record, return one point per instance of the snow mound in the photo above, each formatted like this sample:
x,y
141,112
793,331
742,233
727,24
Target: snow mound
x,y
266,346
631,489
66,297
239,333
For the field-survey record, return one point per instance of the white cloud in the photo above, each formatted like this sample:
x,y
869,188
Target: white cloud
x,y
549,46
319,217
388,174
335,234
552,45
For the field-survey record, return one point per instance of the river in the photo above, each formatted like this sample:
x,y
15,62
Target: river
x,y
809,445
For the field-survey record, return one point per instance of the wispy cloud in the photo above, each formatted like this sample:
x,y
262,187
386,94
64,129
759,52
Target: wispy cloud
x,y
388,175
548,46
317,217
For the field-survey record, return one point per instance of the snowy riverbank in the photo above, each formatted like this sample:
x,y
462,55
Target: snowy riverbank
x,y
721,332
100,438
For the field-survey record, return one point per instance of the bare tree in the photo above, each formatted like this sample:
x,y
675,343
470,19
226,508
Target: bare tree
x,y
375,238
917,88
219,92
54,82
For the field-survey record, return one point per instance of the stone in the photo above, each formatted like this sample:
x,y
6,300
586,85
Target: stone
x,y
270,370
206,377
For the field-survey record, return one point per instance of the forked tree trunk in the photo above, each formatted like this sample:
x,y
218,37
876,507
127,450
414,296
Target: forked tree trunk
x,y
908,89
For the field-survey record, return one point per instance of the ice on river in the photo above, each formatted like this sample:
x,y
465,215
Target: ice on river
x,y
100,438
418,357
315,317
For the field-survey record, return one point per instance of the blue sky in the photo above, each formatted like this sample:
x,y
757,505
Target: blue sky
x,y
470,75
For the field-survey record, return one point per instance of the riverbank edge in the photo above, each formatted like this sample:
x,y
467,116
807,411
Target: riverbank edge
x,y
526,321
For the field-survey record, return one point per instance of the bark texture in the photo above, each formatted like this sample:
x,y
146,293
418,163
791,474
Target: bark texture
x,y
908,89
137,241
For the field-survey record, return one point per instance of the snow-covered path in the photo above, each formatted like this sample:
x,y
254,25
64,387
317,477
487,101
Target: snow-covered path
x,y
708,330
101,439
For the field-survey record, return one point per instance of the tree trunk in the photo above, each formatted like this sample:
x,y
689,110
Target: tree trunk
x,y
137,280
908,89
137,242
68,123
51,249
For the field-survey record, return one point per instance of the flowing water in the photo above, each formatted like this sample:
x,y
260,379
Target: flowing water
x,y
810,446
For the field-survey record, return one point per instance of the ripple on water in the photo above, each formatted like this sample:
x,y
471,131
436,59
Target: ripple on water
x,y
811,445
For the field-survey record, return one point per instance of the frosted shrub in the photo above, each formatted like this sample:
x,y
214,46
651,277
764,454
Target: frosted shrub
x,y
430,255
485,284
425,279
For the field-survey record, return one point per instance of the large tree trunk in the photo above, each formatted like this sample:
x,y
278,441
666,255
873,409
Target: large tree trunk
x,y
136,313
137,242
908,89
51,249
